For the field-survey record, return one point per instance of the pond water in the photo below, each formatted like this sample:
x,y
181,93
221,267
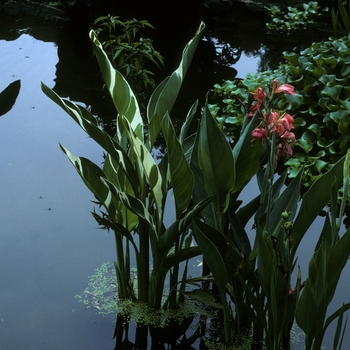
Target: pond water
x,y
50,243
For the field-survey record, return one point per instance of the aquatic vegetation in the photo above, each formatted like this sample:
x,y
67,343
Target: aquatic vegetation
x,y
249,281
101,294
293,19
320,107
133,189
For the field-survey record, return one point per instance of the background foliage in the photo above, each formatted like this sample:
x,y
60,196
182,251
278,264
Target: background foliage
x,y
321,107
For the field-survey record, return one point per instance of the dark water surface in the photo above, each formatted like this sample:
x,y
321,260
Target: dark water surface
x,y
45,255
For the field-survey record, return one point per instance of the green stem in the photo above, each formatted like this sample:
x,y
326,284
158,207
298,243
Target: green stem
x,y
343,202
143,264
270,168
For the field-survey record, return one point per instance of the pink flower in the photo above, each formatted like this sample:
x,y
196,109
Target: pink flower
x,y
280,124
285,88
289,137
259,94
288,121
259,133
252,110
273,117
278,128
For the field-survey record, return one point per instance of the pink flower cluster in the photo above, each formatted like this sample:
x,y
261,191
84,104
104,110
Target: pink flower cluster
x,y
275,122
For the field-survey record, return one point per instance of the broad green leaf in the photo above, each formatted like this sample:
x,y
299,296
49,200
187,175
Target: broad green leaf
x,y
217,267
151,172
183,255
171,235
132,203
164,96
91,174
314,200
8,96
122,95
215,160
307,315
254,301
180,173
338,257
336,314
115,174
211,254
204,297
246,156
338,339
89,124
240,237
210,214
186,125
266,263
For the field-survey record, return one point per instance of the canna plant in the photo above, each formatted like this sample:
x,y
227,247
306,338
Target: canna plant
x,y
258,272
133,188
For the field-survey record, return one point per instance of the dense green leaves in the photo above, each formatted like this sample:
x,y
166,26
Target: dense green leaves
x,y
132,187
204,175
321,108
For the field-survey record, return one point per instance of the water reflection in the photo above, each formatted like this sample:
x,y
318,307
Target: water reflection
x,y
187,335
45,256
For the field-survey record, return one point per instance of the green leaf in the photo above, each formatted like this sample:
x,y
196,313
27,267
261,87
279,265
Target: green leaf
x,y
8,96
217,171
132,203
115,173
186,125
204,297
122,95
313,202
338,257
307,315
216,265
89,124
91,174
211,254
288,202
246,156
150,169
164,96
167,239
181,176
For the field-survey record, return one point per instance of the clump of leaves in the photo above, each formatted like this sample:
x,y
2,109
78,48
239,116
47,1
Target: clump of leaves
x,y
293,19
320,75
341,18
101,295
127,50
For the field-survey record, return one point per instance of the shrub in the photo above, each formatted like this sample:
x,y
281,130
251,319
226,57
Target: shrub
x,y
294,19
321,107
